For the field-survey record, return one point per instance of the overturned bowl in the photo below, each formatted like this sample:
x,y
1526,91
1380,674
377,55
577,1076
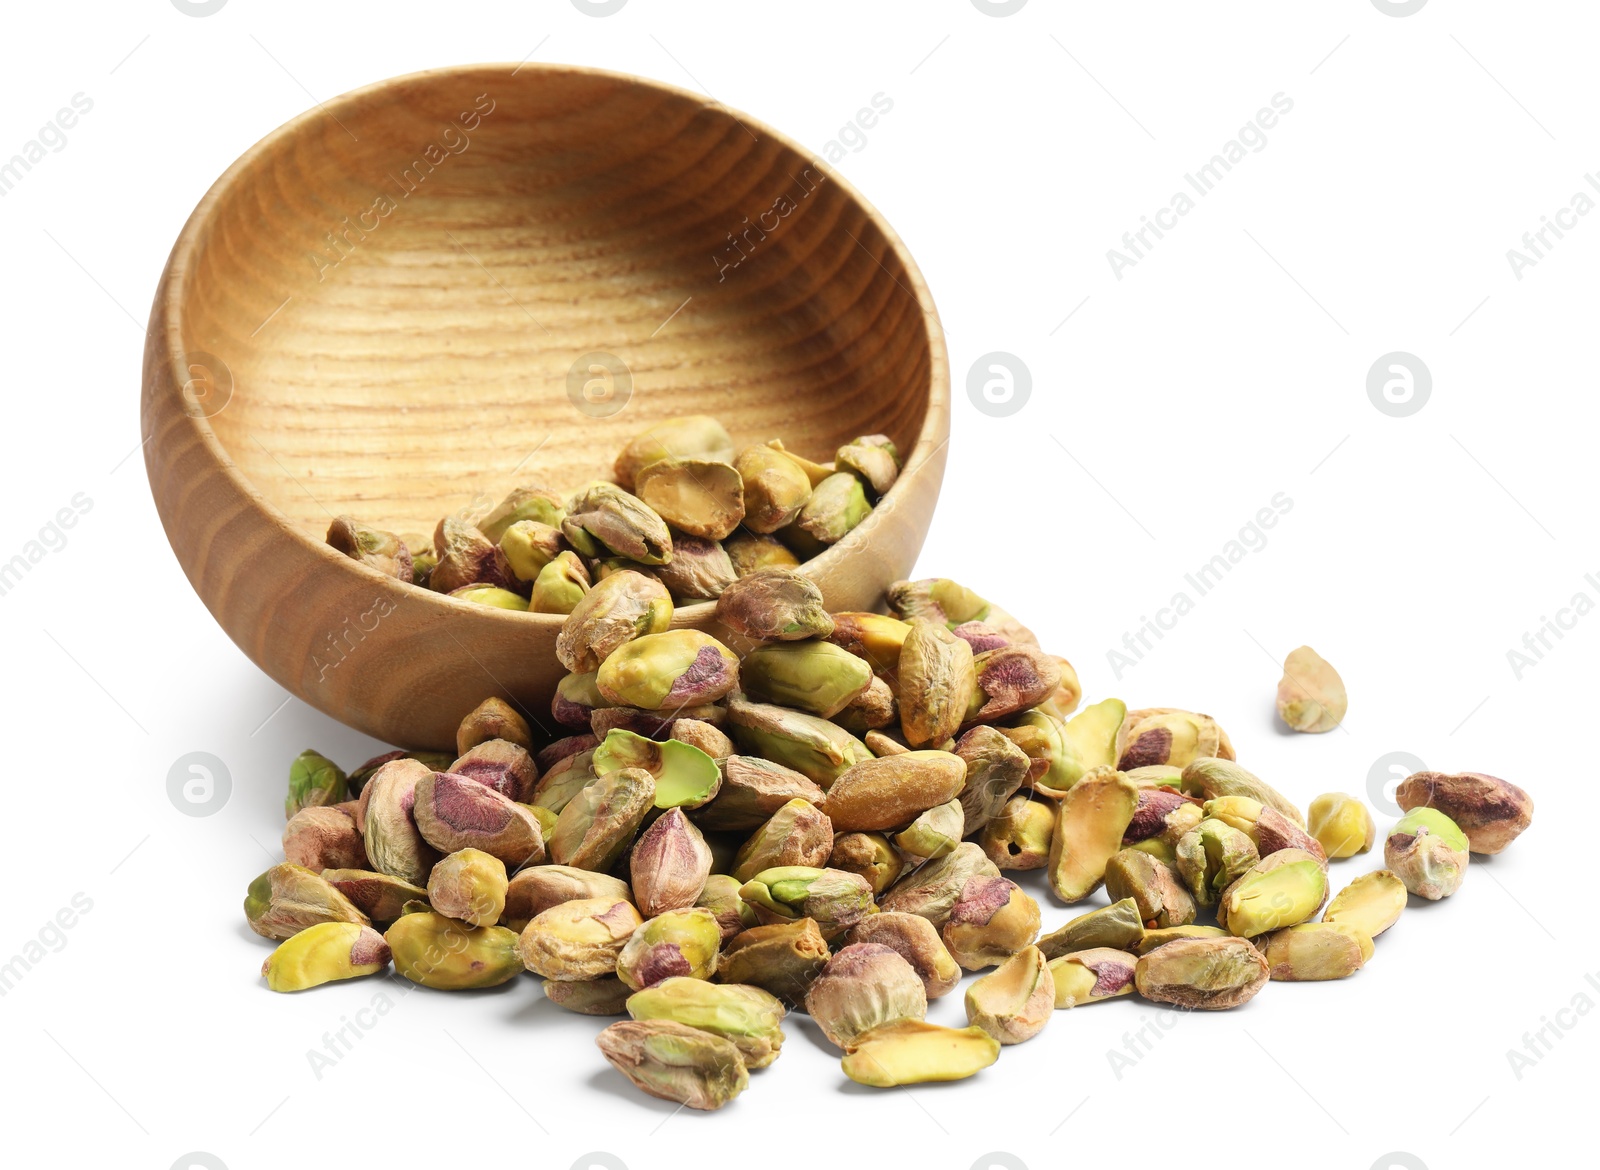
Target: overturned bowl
x,y
421,294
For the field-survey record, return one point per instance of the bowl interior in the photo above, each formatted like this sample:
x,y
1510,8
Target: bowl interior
x,y
448,285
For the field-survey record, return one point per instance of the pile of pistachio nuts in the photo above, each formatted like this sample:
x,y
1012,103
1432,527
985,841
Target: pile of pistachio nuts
x,y
818,813
683,509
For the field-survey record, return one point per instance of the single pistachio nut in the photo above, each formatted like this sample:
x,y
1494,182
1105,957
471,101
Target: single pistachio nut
x,y
1428,852
912,1052
580,939
615,611
455,812
434,951
1370,905
1154,887
812,676
776,488
783,958
494,718
996,768
1013,1002
864,986
747,1016
752,790
600,821
938,599
576,700
323,838
933,888
871,458
604,520
837,900
565,779
991,920
1275,832
1208,974
466,557
393,843
679,942
1212,856
703,497
819,750
523,505
684,775
1019,837
872,636
606,996
470,886
1090,823
1341,824
675,1062
1311,694
1010,679
560,586
669,864
377,895
982,636
750,552
1283,889
881,793
1156,938
699,570
1091,976
1490,811
1086,741
816,472
936,681
696,436
917,941
874,708
797,834
323,953
1239,812
868,854
1052,763
314,782
423,559
1213,777
836,506
671,669
534,890
1115,927
506,767
288,898
698,733
383,551
1315,951
933,834
1168,735
883,743
720,895
530,545
1157,848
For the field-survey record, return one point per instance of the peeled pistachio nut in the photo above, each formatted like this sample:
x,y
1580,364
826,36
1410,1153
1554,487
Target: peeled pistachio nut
x,y
622,607
1091,976
912,1052
439,952
1010,679
991,920
751,552
314,781
1490,811
606,996
684,775
696,436
600,821
455,812
996,768
797,834
383,551
1283,889
1157,848
560,586
837,900
580,939
817,749
377,895
931,889
1208,974
506,767
1315,951
1086,741
836,506
881,743
675,1062
523,505
1274,831
1154,887
867,854
938,599
565,779
1093,815
470,886
1013,1003
1156,938
889,791
933,834
324,952
873,708
698,733
699,570
1115,927
864,986
775,488
534,890
1428,852
936,681
528,546
775,605
1369,905
1211,857
1019,837
917,941
679,942
1163,812
782,958
1053,766
747,1016
720,895
604,520
435,761
812,676
546,818
669,864
576,700
872,636
672,669
323,838
466,557
703,497
752,790
871,458
393,843
1211,778
492,719
288,898
1341,824
1239,812
1168,735
1311,694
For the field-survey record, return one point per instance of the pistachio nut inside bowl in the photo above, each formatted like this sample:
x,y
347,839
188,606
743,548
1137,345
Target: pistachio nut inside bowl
x,y
412,299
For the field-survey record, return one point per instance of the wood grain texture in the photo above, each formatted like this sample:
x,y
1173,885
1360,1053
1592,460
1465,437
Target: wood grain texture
x,y
397,285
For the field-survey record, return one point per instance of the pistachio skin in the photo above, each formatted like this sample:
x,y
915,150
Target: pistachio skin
x,y
863,986
286,899
1491,812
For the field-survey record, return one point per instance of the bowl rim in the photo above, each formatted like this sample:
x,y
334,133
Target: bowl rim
x,y
933,437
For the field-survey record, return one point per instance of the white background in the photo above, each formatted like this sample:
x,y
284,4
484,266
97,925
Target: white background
x,y
1228,365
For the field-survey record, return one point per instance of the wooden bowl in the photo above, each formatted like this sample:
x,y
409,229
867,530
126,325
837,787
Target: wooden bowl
x,y
391,307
